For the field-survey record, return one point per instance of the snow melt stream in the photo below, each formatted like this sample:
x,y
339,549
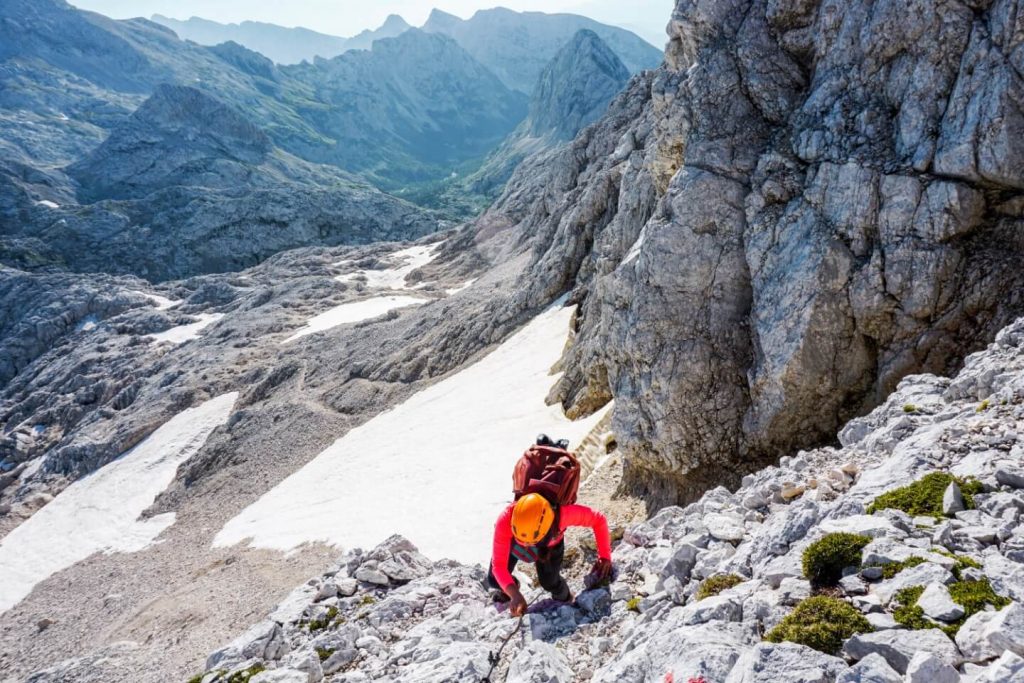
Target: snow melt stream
x,y
100,512
436,469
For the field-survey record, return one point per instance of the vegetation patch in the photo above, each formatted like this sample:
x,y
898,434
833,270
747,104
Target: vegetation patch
x,y
321,624
909,408
973,596
822,623
924,496
324,653
983,406
825,559
198,678
962,562
244,675
368,600
633,604
716,584
893,568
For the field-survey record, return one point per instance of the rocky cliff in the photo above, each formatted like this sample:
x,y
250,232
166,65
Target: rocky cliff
x,y
573,91
807,202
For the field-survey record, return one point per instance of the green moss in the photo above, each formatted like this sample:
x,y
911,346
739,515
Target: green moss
x,y
321,624
716,584
909,408
244,675
973,596
893,568
924,496
825,559
198,678
368,600
633,604
324,653
982,407
821,622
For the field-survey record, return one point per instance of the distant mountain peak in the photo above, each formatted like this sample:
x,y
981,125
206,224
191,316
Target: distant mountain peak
x,y
439,20
395,22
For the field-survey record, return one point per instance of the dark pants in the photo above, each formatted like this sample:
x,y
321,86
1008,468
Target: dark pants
x,y
549,571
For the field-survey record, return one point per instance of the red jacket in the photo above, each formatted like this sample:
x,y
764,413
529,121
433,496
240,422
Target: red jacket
x,y
568,515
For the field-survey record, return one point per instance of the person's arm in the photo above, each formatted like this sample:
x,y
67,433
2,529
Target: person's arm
x,y
581,515
501,549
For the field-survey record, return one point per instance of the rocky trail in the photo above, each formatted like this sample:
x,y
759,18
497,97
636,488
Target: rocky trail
x,y
922,585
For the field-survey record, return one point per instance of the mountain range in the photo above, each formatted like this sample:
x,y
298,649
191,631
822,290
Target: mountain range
x,y
516,46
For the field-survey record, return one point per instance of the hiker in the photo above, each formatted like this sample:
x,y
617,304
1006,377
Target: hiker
x,y
532,528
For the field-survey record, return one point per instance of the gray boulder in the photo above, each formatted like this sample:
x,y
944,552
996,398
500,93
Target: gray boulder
x,y
898,647
871,669
539,662
769,663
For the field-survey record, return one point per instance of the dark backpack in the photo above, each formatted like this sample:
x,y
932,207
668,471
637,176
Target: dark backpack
x,y
549,469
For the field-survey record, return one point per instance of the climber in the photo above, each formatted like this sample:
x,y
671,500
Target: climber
x,y
531,529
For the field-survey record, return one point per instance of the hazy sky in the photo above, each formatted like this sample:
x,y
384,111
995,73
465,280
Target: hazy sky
x,y
348,17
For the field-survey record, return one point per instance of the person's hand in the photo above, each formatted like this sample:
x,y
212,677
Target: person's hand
x,y
517,605
602,570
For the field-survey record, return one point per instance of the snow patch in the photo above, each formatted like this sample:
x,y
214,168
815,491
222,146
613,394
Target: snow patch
x,y
394,278
354,312
88,324
162,302
465,285
436,468
99,512
183,333
634,251
38,430
48,204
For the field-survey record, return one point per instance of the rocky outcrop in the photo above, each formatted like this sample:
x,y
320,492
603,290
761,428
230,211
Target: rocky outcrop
x,y
806,203
573,91
517,46
433,623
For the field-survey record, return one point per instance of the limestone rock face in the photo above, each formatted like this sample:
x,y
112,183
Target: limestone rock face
x,y
806,203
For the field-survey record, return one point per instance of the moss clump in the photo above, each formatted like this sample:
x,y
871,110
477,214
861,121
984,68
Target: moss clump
x,y
820,622
983,406
368,600
324,653
825,559
893,568
198,678
321,624
973,596
633,604
909,408
924,496
244,675
716,584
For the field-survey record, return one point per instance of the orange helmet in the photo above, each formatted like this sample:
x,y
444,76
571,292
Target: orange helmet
x,y
532,518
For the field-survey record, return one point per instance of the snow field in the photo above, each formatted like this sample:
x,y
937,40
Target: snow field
x,y
354,312
100,512
436,468
184,333
394,278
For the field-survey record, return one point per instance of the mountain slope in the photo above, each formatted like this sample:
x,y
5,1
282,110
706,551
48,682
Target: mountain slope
x,y
280,44
410,109
518,45
573,91
188,185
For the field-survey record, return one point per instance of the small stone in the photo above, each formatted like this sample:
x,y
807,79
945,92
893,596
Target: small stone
x,y
871,669
853,585
1009,668
792,491
937,603
924,521
1010,475
952,500
880,621
347,587
369,573
871,573
793,590
754,500
925,667
328,590
44,624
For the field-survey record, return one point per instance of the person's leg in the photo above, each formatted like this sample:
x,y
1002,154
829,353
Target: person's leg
x,y
549,572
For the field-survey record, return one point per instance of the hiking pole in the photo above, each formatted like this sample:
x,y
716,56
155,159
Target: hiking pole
x,y
494,657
